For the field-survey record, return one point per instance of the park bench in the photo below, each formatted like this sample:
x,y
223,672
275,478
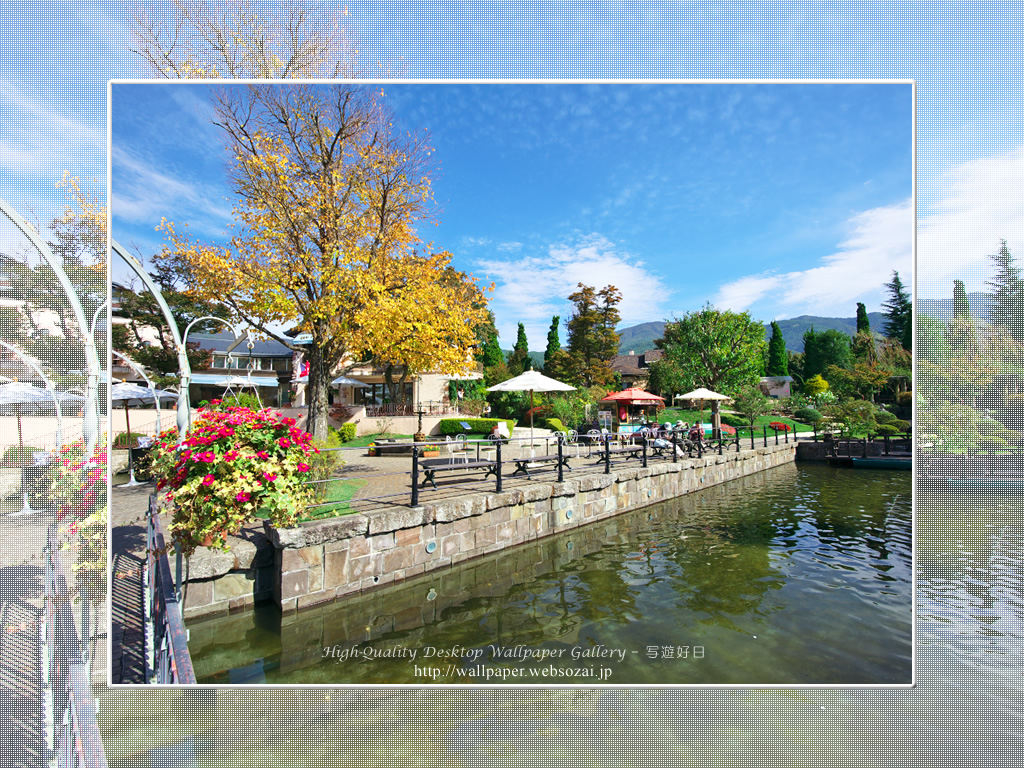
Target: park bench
x,y
431,467
523,465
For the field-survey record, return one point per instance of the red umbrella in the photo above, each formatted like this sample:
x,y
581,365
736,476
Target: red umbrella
x,y
634,396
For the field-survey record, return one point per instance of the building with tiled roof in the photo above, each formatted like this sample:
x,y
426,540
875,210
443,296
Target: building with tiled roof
x,y
633,367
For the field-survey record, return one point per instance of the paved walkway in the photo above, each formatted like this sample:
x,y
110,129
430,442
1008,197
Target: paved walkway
x,y
128,557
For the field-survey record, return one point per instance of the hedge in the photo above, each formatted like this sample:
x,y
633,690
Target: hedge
x,y
555,425
454,426
123,439
807,415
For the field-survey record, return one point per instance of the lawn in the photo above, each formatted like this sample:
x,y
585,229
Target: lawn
x,y
340,491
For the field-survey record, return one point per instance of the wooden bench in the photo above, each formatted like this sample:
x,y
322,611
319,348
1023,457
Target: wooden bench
x,y
633,450
431,467
523,465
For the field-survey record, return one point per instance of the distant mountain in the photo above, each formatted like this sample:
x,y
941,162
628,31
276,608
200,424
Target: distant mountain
x,y
942,309
536,357
640,338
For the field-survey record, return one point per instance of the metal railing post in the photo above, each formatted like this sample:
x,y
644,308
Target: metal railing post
x,y
752,437
607,454
776,435
764,434
675,457
644,441
561,469
415,476
497,474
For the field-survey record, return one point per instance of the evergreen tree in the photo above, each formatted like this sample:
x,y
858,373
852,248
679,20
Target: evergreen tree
x,y
489,354
593,341
778,361
1007,294
898,312
519,359
961,307
823,349
863,324
554,344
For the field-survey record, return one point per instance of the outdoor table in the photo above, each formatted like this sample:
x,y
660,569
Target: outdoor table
x,y
431,467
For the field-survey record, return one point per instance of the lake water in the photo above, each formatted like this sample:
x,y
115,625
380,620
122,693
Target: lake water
x,y
798,575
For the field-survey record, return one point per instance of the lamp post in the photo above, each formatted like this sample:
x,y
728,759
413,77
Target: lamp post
x,y
90,411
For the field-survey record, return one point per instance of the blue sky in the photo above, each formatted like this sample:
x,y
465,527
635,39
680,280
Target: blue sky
x,y
780,199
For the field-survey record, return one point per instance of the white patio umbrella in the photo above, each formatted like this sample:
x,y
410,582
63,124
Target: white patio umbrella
x,y
531,381
702,394
21,393
125,393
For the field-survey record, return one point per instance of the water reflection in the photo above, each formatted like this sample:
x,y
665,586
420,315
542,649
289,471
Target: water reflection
x,y
801,574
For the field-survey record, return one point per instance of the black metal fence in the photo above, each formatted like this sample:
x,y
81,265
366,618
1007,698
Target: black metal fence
x,y
167,657
72,737
494,462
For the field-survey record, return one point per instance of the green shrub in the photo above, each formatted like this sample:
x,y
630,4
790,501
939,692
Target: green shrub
x,y
902,426
905,399
815,385
807,415
1011,436
733,420
886,429
554,425
347,432
454,426
124,440
884,417
16,454
992,444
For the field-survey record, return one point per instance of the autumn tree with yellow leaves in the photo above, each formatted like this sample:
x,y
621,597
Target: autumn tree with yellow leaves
x,y
329,195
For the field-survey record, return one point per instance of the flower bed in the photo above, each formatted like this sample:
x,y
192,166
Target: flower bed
x,y
235,465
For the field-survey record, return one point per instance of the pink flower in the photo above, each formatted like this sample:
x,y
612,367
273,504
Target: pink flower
x,y
262,455
270,476
284,442
208,480
289,422
303,467
231,455
242,496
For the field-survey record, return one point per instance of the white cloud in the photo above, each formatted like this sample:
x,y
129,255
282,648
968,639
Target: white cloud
x,y
534,288
143,195
879,241
969,209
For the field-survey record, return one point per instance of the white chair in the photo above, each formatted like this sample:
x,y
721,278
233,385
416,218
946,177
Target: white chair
x,y
456,449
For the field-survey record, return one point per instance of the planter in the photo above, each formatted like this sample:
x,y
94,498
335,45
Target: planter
x,y
431,454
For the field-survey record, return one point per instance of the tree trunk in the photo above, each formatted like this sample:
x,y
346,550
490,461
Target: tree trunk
x,y
316,388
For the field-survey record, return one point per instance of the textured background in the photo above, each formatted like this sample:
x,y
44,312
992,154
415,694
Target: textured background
x,y
54,61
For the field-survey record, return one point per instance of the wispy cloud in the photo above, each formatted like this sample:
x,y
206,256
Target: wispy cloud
x,y
966,212
143,195
536,287
879,241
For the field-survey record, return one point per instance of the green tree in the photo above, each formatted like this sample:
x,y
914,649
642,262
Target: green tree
x,y
519,358
863,324
823,349
778,362
721,350
1007,294
554,344
489,351
961,306
899,315
593,341
751,403
815,385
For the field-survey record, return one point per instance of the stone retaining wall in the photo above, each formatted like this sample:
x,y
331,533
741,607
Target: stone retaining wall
x,y
321,560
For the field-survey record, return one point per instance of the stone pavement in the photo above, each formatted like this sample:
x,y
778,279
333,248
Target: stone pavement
x,y
128,557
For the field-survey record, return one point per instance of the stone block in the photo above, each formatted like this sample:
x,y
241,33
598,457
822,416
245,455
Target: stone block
x,y
396,559
382,542
232,585
294,584
450,545
486,536
361,568
359,546
506,532
317,531
207,563
395,518
306,557
536,492
199,594
335,568
408,537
